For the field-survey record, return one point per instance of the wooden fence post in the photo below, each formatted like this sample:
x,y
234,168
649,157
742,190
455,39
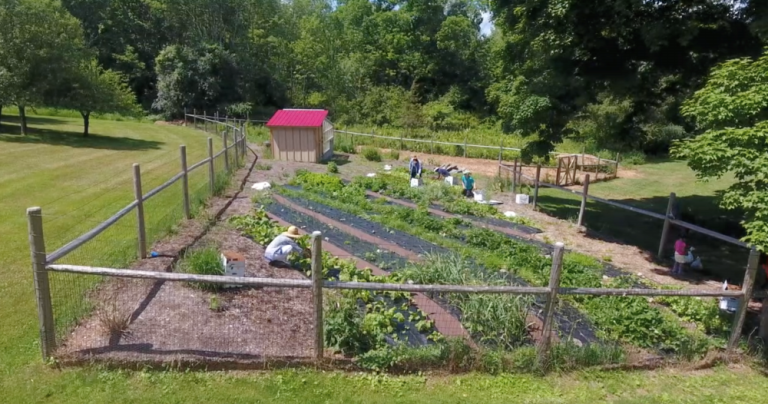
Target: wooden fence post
x,y
536,187
549,308
557,176
185,181
583,153
235,139
317,292
226,152
763,332
465,146
597,170
616,170
584,195
40,278
514,177
401,141
185,116
194,118
747,287
211,168
142,234
205,121
667,224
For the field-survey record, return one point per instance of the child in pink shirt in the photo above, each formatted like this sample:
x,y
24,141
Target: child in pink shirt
x,y
680,247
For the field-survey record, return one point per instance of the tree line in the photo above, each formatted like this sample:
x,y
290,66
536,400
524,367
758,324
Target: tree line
x,y
610,73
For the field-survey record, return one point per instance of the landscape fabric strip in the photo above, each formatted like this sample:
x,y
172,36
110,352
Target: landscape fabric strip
x,y
570,321
443,321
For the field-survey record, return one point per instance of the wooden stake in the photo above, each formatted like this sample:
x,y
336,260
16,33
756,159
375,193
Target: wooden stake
x,y
211,168
667,224
465,146
584,194
226,151
185,181
142,235
317,292
747,286
40,279
536,187
549,309
616,170
559,166
514,177
185,116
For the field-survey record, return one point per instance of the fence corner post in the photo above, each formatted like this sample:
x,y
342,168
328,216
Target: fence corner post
x,y
317,292
185,181
536,187
211,168
40,279
746,287
139,196
584,196
549,308
667,224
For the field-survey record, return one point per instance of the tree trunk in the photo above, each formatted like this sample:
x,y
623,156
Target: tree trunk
x,y
86,122
23,120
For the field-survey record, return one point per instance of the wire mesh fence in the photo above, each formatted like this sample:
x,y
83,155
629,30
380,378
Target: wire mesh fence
x,y
93,234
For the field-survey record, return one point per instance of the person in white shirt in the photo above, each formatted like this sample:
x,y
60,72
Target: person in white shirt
x,y
283,246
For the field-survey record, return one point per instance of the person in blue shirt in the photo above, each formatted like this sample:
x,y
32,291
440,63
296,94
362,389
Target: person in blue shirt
x,y
469,184
415,168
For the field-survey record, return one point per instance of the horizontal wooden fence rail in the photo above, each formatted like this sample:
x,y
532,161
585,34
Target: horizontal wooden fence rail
x,y
101,227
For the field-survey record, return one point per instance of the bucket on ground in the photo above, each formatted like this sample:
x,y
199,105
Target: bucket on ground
x,y
415,182
479,196
449,180
521,199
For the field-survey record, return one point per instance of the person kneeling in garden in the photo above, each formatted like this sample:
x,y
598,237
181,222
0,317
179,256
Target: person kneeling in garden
x,y
469,184
279,250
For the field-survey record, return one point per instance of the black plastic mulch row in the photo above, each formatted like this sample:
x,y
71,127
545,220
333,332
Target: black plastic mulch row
x,y
405,331
570,321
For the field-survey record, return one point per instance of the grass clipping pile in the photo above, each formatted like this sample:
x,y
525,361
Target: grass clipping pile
x,y
146,322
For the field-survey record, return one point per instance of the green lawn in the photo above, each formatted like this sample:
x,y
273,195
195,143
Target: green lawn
x,y
648,188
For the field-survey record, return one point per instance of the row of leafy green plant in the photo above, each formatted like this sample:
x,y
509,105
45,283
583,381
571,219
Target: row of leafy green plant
x,y
643,322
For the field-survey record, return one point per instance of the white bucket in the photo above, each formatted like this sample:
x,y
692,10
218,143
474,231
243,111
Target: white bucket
x,y
415,182
479,196
521,199
509,213
371,175
387,167
449,180
260,186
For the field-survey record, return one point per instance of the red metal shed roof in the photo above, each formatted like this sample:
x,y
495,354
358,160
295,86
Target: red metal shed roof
x,y
298,118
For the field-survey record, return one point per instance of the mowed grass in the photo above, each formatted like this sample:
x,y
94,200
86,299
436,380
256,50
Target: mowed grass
x,y
78,182
648,187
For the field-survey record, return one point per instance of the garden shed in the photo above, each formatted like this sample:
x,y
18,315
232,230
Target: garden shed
x,y
301,135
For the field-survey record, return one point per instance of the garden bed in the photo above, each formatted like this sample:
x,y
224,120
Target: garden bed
x,y
173,322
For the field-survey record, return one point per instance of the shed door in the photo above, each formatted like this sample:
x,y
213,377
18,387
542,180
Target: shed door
x,y
296,144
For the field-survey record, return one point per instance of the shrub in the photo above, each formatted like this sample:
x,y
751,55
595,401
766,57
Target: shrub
x,y
333,168
394,154
203,261
634,158
371,154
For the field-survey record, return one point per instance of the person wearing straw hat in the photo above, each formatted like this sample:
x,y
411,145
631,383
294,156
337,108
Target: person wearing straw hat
x,y
283,246
469,184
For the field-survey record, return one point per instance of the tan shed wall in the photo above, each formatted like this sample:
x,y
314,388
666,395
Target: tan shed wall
x,y
295,144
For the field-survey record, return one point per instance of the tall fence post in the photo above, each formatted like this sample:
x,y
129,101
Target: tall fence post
x,y
616,169
549,308
667,224
559,166
142,233
317,292
536,187
185,181
747,286
185,116
763,331
194,118
597,170
584,195
211,170
235,139
226,151
40,278
401,141
465,146
514,177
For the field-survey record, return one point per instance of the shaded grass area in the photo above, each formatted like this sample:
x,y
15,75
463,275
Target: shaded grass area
x,y
649,188
78,182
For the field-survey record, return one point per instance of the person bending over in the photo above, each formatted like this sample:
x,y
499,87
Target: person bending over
x,y
279,250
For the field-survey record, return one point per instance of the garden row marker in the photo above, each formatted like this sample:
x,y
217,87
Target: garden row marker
x,y
665,229
583,201
40,277
746,288
536,187
549,309
317,292
185,181
139,211
211,171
